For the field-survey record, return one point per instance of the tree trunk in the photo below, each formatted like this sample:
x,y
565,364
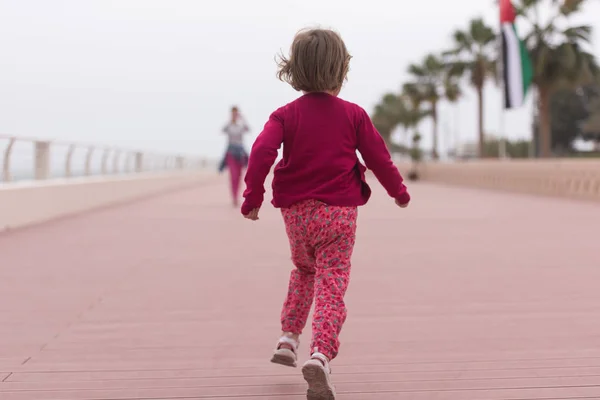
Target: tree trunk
x,y
434,118
545,126
480,121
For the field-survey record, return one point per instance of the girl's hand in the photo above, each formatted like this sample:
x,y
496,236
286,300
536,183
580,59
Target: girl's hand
x,y
252,215
401,205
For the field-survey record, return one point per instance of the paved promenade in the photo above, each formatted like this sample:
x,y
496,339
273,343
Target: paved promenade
x,y
466,295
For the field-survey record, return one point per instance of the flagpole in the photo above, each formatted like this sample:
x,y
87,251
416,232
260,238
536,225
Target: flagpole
x,y
501,142
456,128
534,127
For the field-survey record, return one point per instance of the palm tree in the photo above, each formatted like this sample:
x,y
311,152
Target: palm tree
x,y
386,117
394,111
412,114
474,54
557,55
453,94
430,84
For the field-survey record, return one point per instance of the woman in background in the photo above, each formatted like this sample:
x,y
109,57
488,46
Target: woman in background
x,y
236,158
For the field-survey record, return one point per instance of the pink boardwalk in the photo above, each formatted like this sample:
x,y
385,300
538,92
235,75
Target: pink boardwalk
x,y
467,295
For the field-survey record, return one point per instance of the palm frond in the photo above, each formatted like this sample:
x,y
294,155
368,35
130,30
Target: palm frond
x,y
412,92
452,91
458,68
390,99
463,41
530,3
587,66
480,33
581,33
571,6
416,70
433,64
452,52
520,11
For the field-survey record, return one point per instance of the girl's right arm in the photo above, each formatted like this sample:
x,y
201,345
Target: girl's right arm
x,y
262,157
377,158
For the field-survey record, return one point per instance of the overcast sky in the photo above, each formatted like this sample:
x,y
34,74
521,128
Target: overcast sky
x,y
162,74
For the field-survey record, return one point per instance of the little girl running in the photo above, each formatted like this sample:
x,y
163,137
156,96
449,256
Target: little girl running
x,y
318,185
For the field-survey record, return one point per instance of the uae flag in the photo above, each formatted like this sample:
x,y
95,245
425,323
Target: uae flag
x,y
516,65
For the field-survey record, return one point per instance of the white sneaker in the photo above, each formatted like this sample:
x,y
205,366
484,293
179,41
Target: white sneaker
x,y
283,355
317,373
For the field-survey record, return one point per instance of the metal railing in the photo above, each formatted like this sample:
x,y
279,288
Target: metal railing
x,y
29,158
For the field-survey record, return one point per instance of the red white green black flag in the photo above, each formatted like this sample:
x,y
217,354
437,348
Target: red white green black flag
x,y
516,64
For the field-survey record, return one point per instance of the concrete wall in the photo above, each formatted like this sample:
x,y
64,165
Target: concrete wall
x,y
26,203
576,179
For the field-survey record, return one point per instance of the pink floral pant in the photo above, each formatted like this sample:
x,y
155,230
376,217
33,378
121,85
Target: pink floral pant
x,y
321,240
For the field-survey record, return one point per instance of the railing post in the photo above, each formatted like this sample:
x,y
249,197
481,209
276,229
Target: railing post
x,y
68,161
6,167
139,162
88,161
116,158
42,160
127,162
105,161
179,162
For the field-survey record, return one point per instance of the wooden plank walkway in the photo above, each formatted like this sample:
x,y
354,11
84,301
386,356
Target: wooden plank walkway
x,y
466,295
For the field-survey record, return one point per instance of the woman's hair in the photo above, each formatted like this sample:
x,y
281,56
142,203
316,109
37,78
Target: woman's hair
x,y
318,61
